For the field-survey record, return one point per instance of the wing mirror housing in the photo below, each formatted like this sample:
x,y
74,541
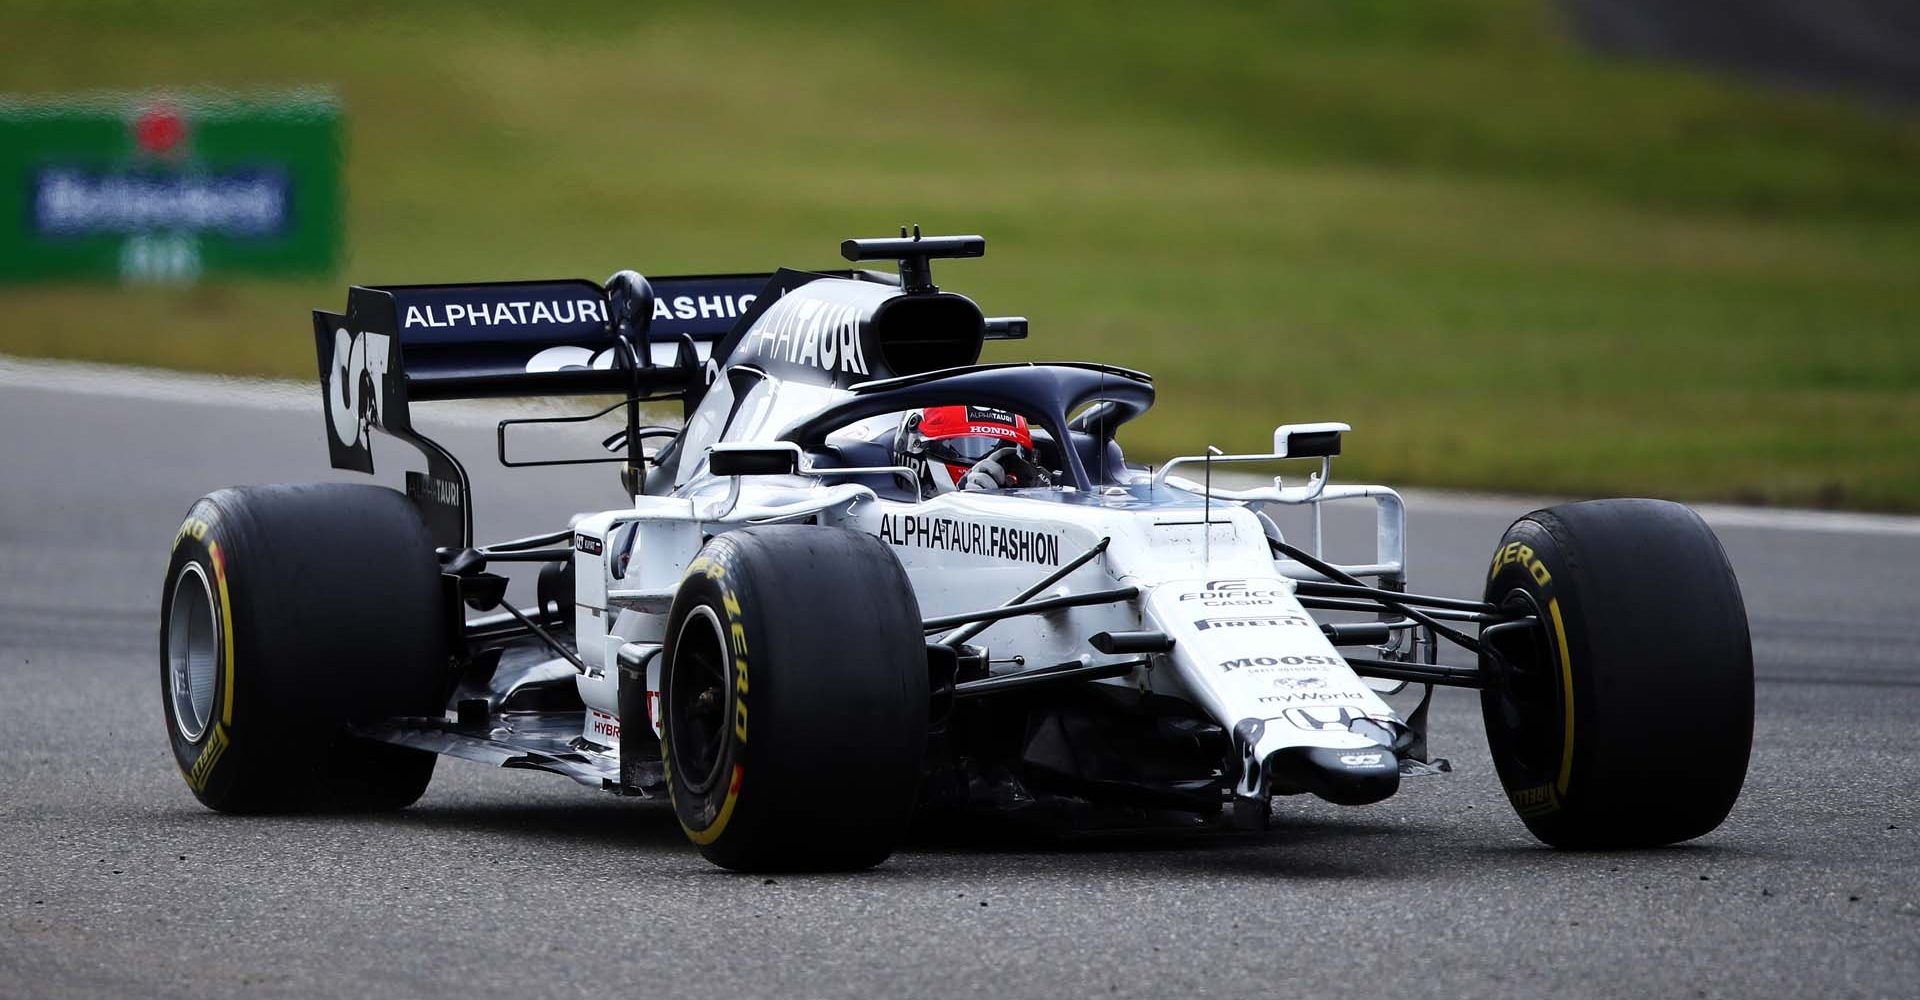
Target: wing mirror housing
x,y
1308,440
781,459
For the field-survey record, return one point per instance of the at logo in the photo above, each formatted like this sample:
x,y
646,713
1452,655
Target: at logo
x,y
357,389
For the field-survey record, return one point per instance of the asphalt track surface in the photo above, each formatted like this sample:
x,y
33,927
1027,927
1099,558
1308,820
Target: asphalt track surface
x,y
114,882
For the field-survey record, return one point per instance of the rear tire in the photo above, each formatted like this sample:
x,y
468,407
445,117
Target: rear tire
x,y
1627,719
289,613
817,630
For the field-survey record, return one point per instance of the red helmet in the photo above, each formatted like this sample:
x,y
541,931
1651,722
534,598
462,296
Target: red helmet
x,y
943,443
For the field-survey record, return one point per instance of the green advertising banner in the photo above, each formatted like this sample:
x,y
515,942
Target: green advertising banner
x,y
169,187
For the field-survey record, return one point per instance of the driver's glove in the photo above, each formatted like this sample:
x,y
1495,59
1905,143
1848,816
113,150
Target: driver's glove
x,y
1005,469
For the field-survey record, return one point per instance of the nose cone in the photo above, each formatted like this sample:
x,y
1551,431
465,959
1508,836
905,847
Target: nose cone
x,y
1345,777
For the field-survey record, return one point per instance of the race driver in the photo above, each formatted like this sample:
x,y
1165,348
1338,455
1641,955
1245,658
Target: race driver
x,y
968,448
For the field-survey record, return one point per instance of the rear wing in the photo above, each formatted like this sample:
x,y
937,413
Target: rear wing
x,y
537,338
400,344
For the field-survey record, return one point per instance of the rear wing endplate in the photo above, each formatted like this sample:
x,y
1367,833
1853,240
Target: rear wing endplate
x,y
400,344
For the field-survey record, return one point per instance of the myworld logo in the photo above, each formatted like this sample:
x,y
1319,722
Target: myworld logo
x,y
73,201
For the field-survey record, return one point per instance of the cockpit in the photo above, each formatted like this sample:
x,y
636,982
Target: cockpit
x,y
1070,413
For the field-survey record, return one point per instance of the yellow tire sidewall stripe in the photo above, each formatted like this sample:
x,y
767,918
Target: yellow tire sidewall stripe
x,y
218,738
1566,695
716,570
719,824
226,629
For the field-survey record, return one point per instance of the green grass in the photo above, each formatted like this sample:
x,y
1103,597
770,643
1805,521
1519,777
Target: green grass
x,y
1507,264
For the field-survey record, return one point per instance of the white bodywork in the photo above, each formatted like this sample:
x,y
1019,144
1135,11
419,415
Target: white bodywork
x,y
1244,648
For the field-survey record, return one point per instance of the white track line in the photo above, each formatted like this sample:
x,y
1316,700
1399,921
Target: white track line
x,y
1719,515
160,385
85,378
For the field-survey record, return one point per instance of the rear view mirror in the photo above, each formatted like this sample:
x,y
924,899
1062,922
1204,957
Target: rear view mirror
x,y
1006,328
754,459
1308,440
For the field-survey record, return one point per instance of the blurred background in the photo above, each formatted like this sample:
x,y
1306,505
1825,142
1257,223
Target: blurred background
x,y
1580,247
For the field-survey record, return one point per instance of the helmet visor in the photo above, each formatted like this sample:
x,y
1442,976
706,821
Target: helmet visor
x,y
969,448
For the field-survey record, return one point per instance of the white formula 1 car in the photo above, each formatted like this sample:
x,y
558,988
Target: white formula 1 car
x,y
803,636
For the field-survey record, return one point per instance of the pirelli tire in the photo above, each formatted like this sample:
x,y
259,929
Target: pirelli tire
x,y
290,612
1627,719
794,700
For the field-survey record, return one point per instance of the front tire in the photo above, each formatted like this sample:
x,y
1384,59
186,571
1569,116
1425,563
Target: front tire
x,y
289,613
1626,719
794,700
